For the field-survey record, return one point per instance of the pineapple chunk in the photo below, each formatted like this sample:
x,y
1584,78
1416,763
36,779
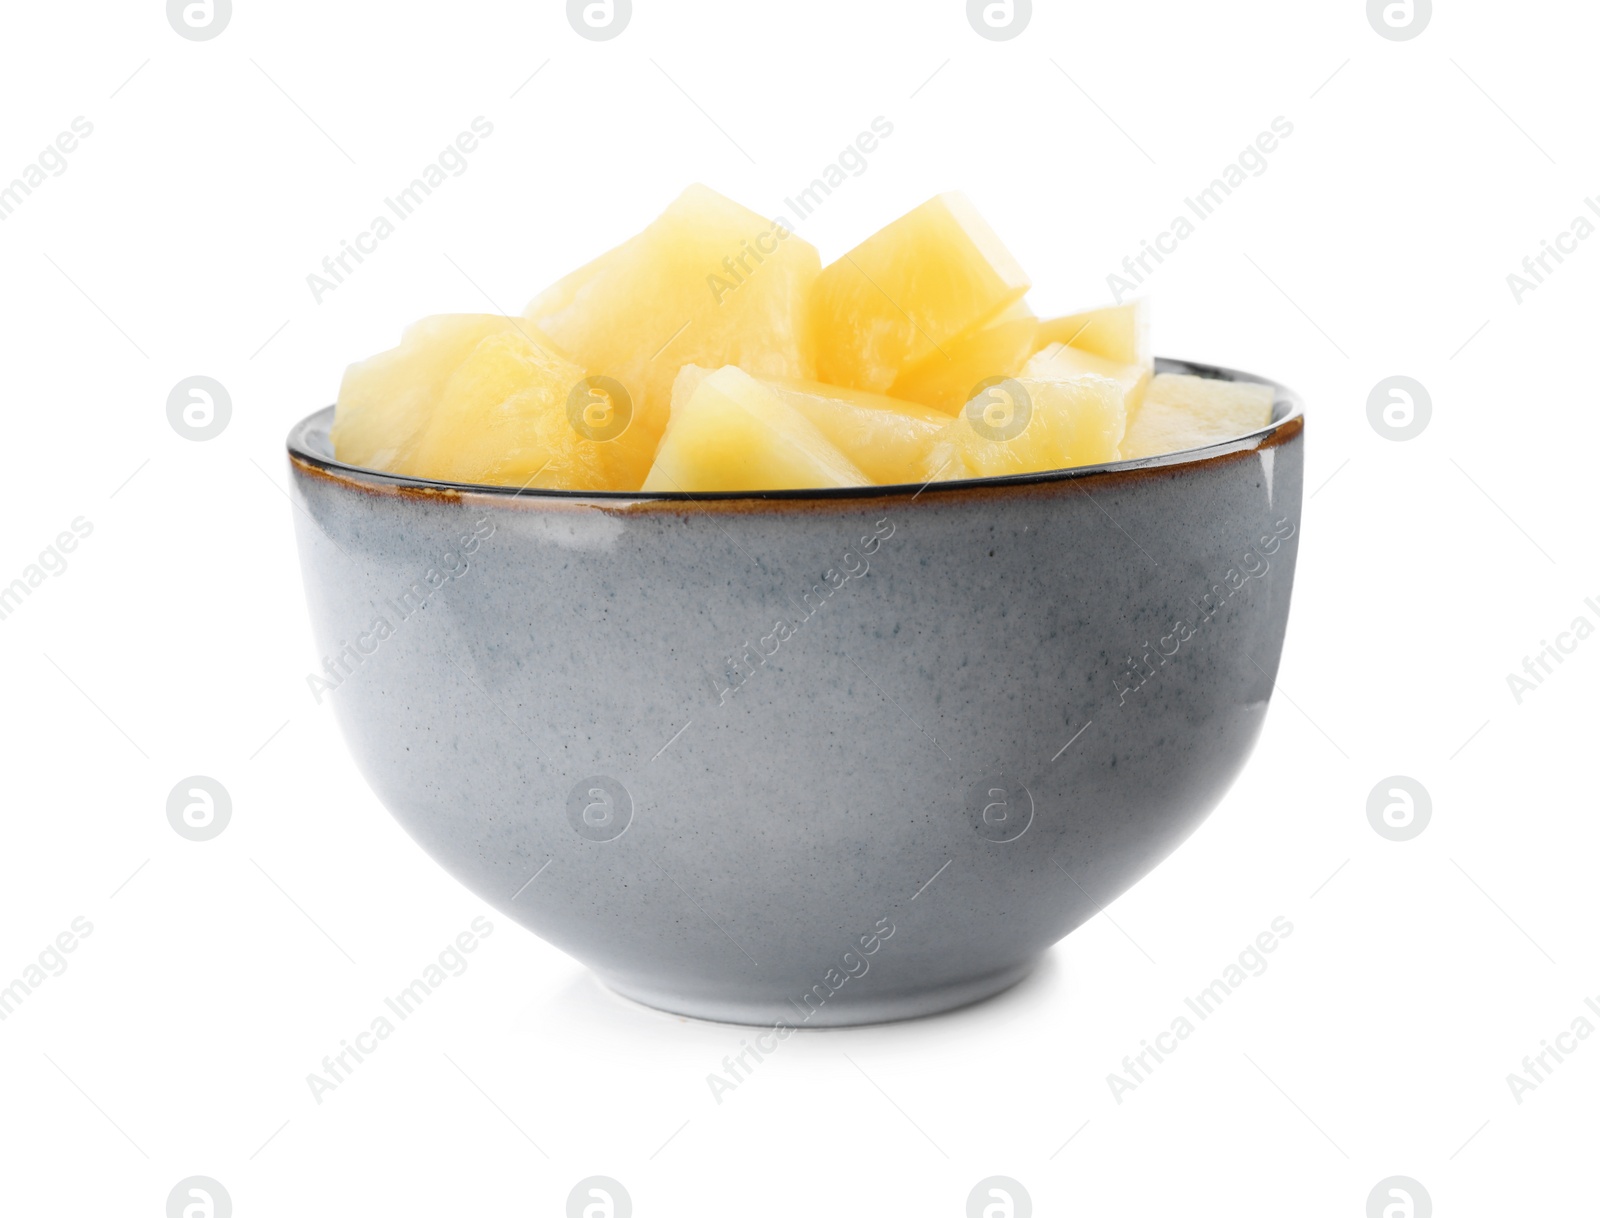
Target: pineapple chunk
x,y
1048,424
908,290
385,400
1120,333
1060,363
503,419
946,378
729,432
563,294
886,439
1182,412
708,282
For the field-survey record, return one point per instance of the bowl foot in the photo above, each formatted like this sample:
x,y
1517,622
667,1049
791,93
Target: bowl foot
x,y
841,1010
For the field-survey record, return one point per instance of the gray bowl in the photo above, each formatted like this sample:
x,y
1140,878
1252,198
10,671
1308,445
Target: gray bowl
x,y
806,758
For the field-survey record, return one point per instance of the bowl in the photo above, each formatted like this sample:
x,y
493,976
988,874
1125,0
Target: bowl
x,y
806,758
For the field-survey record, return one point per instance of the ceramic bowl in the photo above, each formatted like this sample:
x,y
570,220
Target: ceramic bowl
x,y
808,758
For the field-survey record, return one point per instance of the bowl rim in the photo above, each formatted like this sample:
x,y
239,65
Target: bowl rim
x,y
310,450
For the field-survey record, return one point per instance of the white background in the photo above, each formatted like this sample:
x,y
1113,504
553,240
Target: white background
x,y
1378,242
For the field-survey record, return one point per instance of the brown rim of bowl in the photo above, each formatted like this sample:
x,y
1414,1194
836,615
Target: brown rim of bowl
x,y
309,450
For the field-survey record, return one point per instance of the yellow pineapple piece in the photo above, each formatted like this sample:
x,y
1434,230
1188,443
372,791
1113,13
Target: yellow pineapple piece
x,y
1181,412
505,418
1024,425
1062,363
561,295
998,348
709,283
730,432
385,401
886,439
1120,333
900,296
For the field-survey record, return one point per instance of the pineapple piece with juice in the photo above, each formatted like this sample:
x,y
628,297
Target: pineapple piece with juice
x,y
887,439
1025,425
901,296
1060,362
999,347
1119,333
517,413
1181,412
386,400
708,282
730,432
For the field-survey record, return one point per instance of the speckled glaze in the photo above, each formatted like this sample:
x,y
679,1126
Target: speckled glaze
x,y
990,707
